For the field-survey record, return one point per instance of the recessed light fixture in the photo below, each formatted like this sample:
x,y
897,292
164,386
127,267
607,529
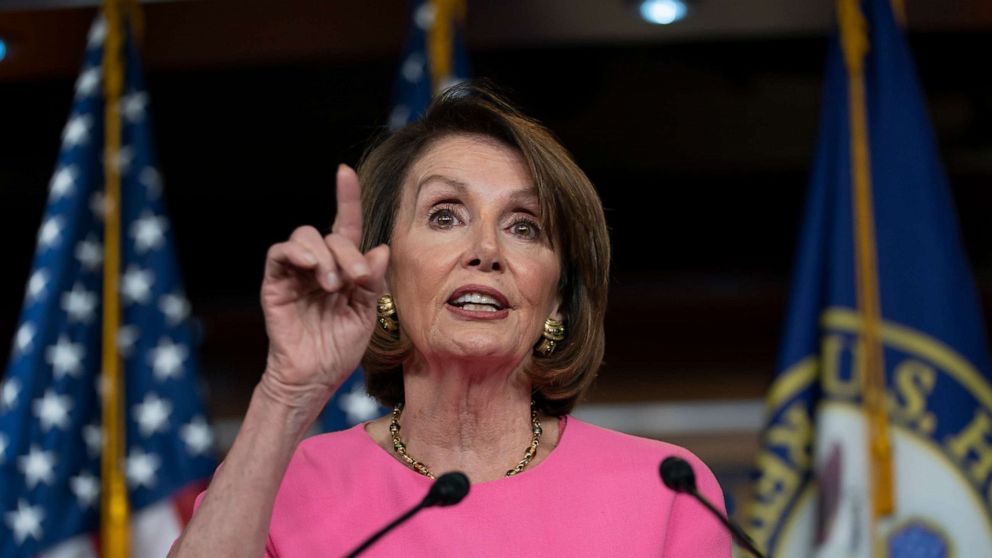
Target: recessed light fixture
x,y
663,12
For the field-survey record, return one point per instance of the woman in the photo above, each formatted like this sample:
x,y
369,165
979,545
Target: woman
x,y
478,305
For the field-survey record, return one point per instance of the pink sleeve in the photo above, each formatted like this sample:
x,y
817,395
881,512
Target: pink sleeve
x,y
692,529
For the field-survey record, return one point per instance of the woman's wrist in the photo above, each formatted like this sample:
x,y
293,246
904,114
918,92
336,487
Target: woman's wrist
x,y
293,406
230,517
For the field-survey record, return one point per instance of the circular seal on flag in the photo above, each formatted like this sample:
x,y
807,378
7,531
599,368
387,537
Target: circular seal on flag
x,y
919,539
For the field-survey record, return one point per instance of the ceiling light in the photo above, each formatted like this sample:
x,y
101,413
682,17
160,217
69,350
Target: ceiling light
x,y
663,12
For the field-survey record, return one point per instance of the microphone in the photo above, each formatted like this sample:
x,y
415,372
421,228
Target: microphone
x,y
447,490
678,475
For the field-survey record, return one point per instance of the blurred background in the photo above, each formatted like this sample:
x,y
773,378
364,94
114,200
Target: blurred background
x,y
699,136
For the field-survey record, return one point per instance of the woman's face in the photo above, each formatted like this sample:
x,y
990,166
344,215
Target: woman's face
x,y
472,272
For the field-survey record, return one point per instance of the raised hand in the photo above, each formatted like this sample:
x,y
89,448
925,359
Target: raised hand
x,y
319,297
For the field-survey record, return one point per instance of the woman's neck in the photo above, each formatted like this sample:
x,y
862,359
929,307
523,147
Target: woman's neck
x,y
469,417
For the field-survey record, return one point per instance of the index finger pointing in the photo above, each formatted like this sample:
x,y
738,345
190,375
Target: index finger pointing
x,y
348,220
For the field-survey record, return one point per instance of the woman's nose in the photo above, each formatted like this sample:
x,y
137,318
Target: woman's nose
x,y
484,253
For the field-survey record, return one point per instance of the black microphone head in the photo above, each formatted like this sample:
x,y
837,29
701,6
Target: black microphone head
x,y
677,474
447,490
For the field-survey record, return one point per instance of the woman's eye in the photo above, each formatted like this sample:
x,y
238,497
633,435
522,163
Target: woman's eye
x,y
443,218
525,229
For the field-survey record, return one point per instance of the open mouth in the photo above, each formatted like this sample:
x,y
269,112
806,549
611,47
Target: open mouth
x,y
477,301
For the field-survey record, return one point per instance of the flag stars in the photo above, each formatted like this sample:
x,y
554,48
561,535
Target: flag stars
x,y
175,307
79,304
99,205
86,487
50,232
65,357
98,32
136,285
152,181
399,117
423,16
89,252
148,232
124,158
8,394
77,131
127,336
133,106
93,436
197,436
358,406
23,338
121,162
63,182
167,359
152,415
36,463
52,410
88,82
36,285
37,466
25,521
141,468
413,67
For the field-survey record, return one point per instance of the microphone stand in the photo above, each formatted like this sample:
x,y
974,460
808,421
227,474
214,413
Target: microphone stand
x,y
735,531
378,535
447,490
678,475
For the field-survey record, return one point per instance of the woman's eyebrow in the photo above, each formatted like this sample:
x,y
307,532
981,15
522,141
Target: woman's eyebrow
x,y
526,199
457,184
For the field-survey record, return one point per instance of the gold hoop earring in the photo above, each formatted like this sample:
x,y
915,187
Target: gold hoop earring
x,y
387,314
554,331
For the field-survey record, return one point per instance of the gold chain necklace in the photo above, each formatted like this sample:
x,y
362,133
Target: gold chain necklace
x,y
400,447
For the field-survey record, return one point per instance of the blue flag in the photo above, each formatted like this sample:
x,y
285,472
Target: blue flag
x,y
416,82
50,416
822,471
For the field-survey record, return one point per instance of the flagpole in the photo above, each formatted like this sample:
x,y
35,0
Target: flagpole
x,y
114,504
855,45
441,39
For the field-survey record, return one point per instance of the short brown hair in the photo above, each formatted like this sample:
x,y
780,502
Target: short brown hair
x,y
573,217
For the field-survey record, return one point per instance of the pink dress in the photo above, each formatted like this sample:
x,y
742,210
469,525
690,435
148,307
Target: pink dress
x,y
597,494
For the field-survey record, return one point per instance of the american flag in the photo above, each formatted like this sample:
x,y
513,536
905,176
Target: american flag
x,y
50,417
416,82
418,78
